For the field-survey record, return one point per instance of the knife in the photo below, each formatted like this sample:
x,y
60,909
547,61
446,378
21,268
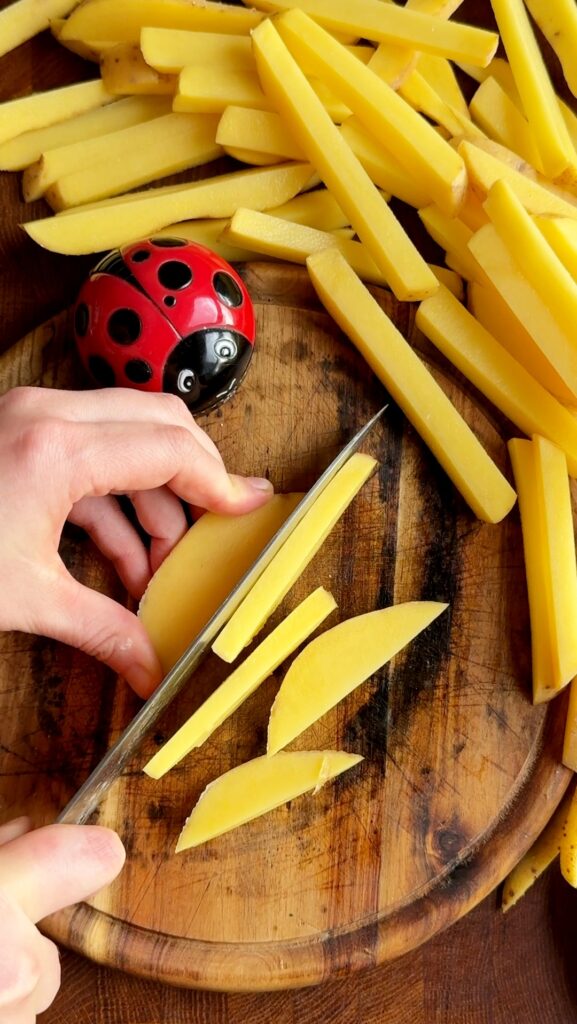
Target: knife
x,y
85,801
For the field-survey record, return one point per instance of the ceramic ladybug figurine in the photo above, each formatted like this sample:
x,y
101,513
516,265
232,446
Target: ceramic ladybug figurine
x,y
166,315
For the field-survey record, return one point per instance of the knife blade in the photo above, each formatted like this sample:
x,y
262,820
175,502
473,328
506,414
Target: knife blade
x,y
87,798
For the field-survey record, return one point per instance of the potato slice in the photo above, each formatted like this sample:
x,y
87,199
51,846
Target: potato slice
x,y
415,144
542,853
561,233
383,169
569,757
26,18
170,50
125,72
99,227
557,20
122,20
421,95
213,89
202,569
535,88
293,557
208,231
41,109
132,157
393,252
496,113
528,305
291,632
393,63
453,236
262,130
257,787
318,209
411,385
26,149
484,169
333,664
439,73
568,852
504,381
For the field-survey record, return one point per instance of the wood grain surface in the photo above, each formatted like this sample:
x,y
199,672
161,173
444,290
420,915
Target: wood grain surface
x,y
486,967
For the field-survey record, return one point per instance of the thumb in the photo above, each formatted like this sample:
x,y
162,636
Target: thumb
x,y
101,627
58,865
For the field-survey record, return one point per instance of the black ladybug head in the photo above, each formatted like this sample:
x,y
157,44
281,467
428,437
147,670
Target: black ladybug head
x,y
206,367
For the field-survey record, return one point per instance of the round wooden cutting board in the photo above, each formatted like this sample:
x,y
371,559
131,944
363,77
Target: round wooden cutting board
x,y
460,771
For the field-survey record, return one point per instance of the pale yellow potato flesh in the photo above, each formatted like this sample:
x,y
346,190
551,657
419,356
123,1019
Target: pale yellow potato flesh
x,y
496,113
561,233
291,632
557,20
402,265
46,108
208,231
23,19
125,72
484,169
293,557
569,757
318,209
439,73
170,50
542,853
411,385
383,169
257,787
100,227
504,381
261,130
333,664
212,89
568,852
122,22
416,145
202,569
454,237
422,96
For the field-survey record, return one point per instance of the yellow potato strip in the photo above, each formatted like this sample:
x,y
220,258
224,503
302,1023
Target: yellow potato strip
x,y
45,108
542,853
23,19
122,22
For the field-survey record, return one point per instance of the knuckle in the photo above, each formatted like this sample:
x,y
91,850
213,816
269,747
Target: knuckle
x,y
174,408
20,400
40,440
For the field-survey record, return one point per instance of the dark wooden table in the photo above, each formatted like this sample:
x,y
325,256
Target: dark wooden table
x,y
487,969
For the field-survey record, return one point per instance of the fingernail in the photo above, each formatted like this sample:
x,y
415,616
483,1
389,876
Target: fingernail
x,y
259,483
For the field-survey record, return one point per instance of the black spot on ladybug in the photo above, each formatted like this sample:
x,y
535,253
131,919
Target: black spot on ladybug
x,y
124,326
227,289
114,264
140,256
102,371
169,300
81,319
174,274
168,243
138,371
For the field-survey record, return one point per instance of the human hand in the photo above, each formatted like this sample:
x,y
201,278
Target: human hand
x,y
42,872
65,455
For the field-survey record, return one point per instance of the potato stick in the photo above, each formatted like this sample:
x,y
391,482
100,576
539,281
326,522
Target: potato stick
x,y
417,91
451,280
102,226
252,156
490,309
212,89
568,852
136,156
125,72
561,234
497,375
534,256
415,144
472,213
389,245
26,18
46,108
170,50
535,88
484,170
411,385
494,111
89,49
263,130
122,20
25,149
207,231
438,72
542,853
393,63
318,209
453,236
371,19
569,757
383,169
557,20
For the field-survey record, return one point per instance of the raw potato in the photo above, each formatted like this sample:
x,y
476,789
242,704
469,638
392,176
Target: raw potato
x,y
257,787
570,737
568,852
116,223
542,853
23,19
393,252
258,666
212,89
557,20
170,50
262,130
496,113
497,375
561,234
122,20
333,664
383,169
453,236
202,569
485,169
45,108
411,385
125,72
293,557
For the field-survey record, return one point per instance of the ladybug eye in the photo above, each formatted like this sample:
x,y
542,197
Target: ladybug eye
x,y
227,289
225,348
185,381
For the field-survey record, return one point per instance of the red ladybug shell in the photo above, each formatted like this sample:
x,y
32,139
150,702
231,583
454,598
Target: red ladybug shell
x,y
164,314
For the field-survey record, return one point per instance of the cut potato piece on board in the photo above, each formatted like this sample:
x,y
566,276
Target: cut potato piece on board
x,y
257,787
484,169
535,88
113,224
212,89
26,149
531,308
570,736
262,130
371,19
207,231
41,109
496,113
317,209
202,569
258,666
542,853
389,245
396,126
293,557
561,233
411,385
134,157
540,470
421,95
439,73
123,21
497,375
125,72
568,852
170,50
453,236
26,18
383,169
333,664
557,20
393,63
